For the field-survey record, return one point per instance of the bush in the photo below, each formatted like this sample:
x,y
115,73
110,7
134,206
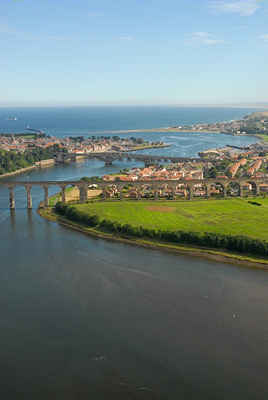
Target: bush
x,y
254,203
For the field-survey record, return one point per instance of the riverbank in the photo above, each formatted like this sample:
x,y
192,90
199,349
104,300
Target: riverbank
x,y
105,211
193,251
38,164
18,172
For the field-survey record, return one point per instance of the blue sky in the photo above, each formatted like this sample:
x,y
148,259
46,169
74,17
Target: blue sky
x,y
77,52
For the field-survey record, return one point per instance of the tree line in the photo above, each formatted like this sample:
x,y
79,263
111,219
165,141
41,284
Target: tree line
x,y
241,244
11,161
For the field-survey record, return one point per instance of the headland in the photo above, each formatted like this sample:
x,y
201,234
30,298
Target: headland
x,y
252,124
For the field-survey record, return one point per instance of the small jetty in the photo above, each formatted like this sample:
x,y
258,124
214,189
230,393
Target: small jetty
x,y
35,130
238,147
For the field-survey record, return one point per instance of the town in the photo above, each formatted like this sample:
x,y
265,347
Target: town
x,y
223,165
77,144
21,152
252,124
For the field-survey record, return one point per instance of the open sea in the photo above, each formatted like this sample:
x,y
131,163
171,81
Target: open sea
x,y
61,121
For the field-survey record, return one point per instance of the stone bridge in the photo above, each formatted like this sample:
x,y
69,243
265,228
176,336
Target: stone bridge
x,y
190,189
108,158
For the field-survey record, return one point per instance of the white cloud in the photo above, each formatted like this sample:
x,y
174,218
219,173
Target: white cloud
x,y
245,8
264,37
203,38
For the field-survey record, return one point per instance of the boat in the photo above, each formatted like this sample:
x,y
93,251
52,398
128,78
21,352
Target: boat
x,y
12,119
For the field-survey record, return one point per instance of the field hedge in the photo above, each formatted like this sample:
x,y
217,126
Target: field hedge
x,y
242,244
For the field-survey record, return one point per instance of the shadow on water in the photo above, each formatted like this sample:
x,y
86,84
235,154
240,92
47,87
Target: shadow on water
x,y
13,219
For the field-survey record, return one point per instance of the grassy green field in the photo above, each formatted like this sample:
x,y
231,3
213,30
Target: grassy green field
x,y
232,216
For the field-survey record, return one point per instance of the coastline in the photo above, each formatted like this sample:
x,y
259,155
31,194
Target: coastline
x,y
199,128
158,130
38,164
211,254
18,171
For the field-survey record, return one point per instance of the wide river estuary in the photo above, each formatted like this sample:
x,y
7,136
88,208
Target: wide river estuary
x,y
84,318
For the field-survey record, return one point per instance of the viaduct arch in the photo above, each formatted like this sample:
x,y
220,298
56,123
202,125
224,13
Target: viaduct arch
x,y
170,188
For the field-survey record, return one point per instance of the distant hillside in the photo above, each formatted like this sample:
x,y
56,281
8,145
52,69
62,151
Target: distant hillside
x,y
256,116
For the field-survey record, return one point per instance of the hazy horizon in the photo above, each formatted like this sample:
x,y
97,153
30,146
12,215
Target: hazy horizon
x,y
62,105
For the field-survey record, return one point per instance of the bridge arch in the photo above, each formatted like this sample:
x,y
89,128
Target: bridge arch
x,y
249,188
181,190
163,190
217,189
67,195
233,189
199,190
168,189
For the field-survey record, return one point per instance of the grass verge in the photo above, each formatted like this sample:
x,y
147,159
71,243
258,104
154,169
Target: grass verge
x,y
212,254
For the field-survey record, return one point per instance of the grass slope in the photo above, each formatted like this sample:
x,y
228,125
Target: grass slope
x,y
232,216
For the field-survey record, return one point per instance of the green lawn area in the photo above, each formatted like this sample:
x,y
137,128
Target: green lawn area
x,y
232,216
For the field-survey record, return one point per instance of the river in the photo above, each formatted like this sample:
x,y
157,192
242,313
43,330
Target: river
x,y
83,318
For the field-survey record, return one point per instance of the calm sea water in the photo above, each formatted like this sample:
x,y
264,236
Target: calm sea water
x,y
83,318
85,120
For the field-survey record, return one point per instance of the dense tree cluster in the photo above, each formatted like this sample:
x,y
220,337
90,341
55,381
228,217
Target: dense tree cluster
x,y
11,161
242,244
90,179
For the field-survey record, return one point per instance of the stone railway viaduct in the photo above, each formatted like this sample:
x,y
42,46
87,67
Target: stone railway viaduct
x,y
156,187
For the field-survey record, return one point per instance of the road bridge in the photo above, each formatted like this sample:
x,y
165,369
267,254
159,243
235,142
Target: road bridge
x,y
191,188
109,157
